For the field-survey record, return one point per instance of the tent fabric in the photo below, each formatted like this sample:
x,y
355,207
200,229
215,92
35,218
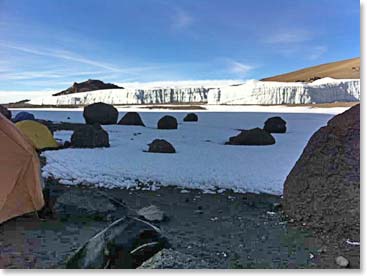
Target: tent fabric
x,y
38,133
20,185
22,116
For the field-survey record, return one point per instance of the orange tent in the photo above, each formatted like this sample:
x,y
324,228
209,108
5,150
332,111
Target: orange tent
x,y
20,181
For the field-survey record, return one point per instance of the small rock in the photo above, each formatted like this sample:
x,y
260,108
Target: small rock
x,y
152,213
131,119
161,146
275,125
167,122
90,136
252,137
198,212
342,261
191,117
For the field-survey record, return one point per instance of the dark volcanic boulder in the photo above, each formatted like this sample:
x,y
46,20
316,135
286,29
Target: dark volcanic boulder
x,y
161,146
191,117
90,136
89,85
22,116
126,243
252,137
323,188
101,113
275,125
131,119
167,122
6,112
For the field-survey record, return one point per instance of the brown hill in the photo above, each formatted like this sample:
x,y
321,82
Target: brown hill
x,y
345,69
89,85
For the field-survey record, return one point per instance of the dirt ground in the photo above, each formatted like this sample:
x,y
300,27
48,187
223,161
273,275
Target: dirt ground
x,y
227,230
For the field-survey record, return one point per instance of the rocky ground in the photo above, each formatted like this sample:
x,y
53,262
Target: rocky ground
x,y
225,230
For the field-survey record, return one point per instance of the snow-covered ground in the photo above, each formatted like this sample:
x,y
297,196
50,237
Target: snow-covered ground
x,y
202,160
326,90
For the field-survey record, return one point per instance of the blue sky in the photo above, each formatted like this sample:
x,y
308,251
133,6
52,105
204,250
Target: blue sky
x,y
48,44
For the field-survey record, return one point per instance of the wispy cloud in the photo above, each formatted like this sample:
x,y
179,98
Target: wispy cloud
x,y
61,54
181,19
239,68
289,37
317,52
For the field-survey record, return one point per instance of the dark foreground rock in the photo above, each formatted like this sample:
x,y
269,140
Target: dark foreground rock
x,y
6,112
101,113
75,204
167,122
90,136
323,188
161,146
89,85
252,137
275,125
191,117
131,119
171,259
126,243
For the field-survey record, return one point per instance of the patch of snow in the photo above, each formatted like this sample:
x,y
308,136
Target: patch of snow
x,y
197,163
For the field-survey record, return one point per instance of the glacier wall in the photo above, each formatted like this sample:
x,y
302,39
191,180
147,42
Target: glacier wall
x,y
250,92
325,90
129,96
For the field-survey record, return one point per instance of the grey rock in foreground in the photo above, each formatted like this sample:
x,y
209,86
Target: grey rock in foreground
x,y
152,213
90,136
101,113
342,261
252,137
83,203
126,243
171,259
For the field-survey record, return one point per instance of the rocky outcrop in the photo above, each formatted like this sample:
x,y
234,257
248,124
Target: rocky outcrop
x,y
275,125
89,85
167,122
90,136
252,137
323,188
6,112
100,113
191,117
126,243
161,146
131,119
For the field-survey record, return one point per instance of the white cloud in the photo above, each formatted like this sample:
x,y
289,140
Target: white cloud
x,y
239,68
289,37
317,52
181,19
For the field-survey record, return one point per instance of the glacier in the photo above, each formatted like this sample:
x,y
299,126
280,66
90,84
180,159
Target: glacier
x,y
324,90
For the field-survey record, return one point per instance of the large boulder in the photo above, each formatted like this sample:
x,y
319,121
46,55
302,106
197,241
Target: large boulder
x,y
90,136
161,146
323,188
275,125
171,259
126,243
22,116
191,117
167,122
101,113
131,119
6,112
252,137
